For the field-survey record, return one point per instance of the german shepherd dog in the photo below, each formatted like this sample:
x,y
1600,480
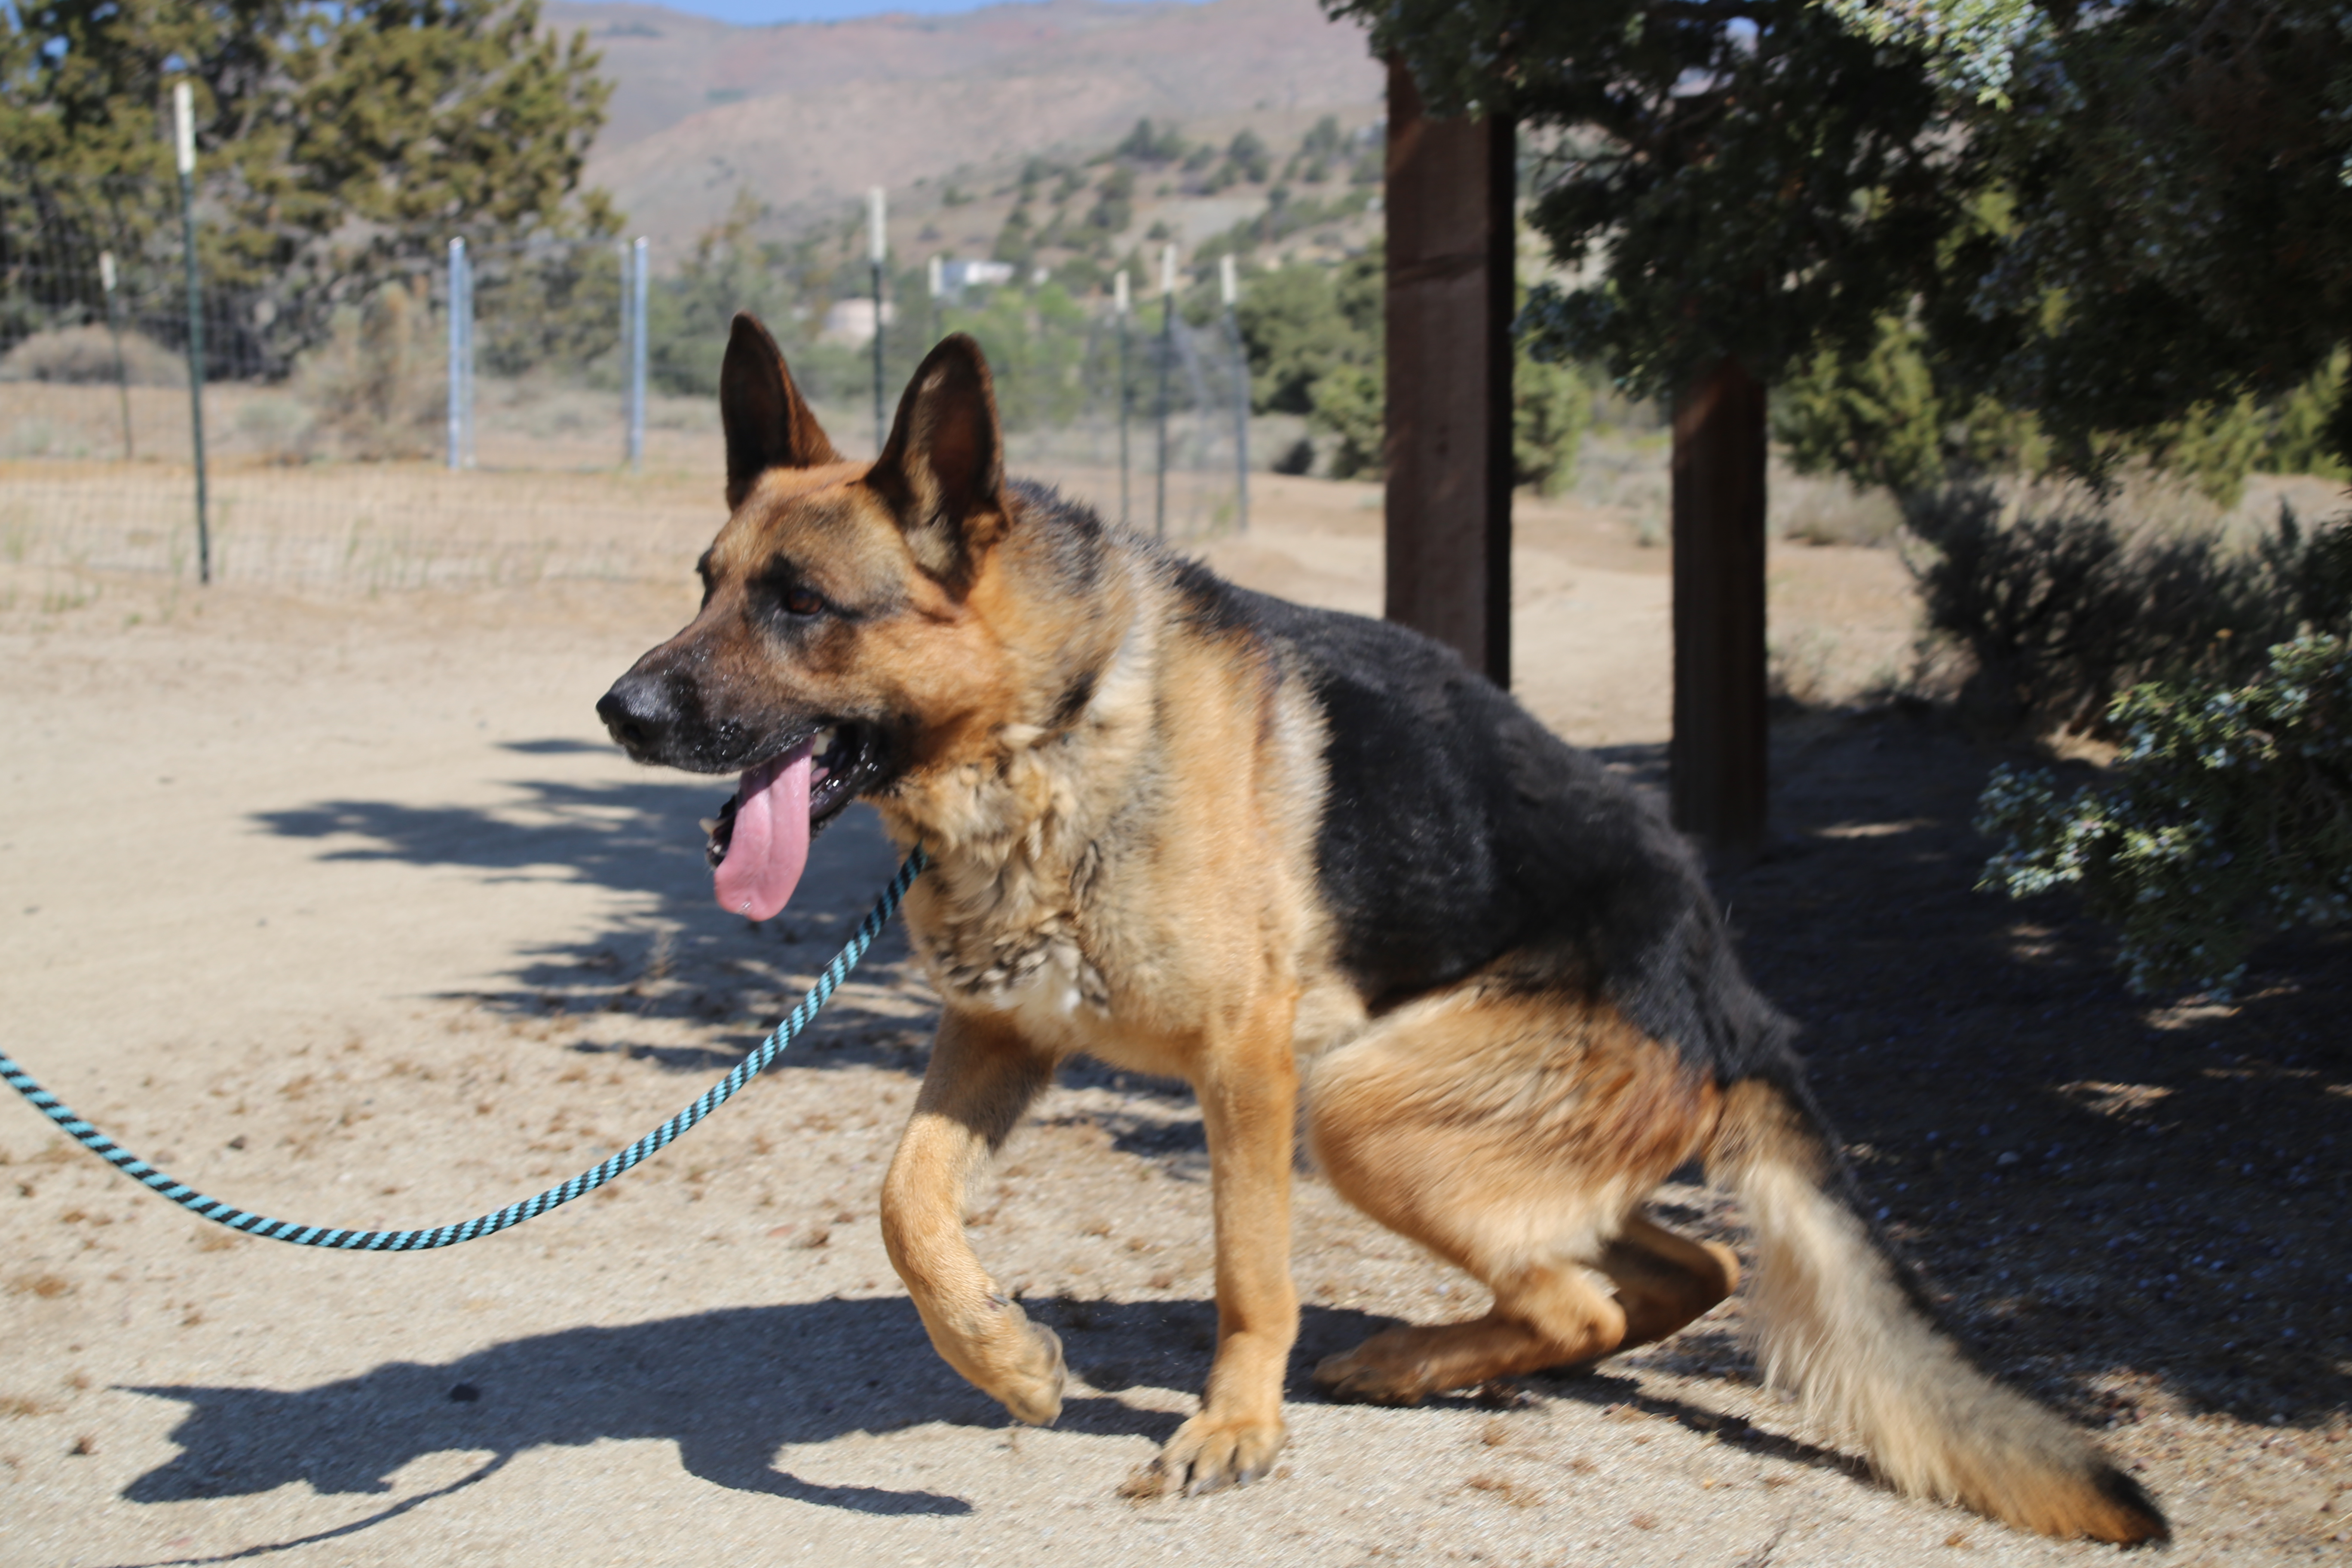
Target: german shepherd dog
x,y
1284,854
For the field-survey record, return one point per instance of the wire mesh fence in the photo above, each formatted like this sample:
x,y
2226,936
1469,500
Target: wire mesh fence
x,y
511,412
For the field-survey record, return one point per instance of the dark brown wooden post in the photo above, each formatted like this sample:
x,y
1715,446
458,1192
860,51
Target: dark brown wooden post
x,y
1450,252
1717,754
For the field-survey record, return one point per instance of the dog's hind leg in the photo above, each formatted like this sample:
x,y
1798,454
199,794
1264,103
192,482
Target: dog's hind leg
x,y
1664,1280
982,1077
1513,1134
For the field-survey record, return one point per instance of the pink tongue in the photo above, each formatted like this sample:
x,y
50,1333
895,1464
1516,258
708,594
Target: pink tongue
x,y
770,843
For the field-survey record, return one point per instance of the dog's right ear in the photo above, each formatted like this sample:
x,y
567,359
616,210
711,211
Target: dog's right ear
x,y
768,422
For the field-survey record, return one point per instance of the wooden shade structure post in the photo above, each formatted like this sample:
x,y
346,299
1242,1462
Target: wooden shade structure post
x,y
1451,250
1717,756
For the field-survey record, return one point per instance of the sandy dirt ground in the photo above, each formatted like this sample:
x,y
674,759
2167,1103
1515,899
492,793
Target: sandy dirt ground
x,y
340,907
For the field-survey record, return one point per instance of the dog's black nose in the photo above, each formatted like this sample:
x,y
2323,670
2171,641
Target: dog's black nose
x,y
640,713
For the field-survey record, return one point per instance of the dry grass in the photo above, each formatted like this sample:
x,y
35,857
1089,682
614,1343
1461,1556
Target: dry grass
x,y
371,528
548,500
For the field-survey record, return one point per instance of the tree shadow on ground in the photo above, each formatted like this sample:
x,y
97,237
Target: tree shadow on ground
x,y
670,954
2118,1201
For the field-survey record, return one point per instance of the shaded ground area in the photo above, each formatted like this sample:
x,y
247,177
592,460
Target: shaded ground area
x,y
2133,1208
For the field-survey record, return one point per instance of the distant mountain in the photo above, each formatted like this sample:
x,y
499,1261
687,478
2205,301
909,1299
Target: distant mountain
x,y
806,116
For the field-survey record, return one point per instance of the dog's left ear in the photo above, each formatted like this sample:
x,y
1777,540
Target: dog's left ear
x,y
943,466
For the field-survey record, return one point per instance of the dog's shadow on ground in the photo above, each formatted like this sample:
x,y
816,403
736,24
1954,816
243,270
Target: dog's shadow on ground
x,y
733,1389
730,1388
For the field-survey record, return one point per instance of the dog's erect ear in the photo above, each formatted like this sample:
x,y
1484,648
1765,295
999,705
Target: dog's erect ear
x,y
943,466
768,422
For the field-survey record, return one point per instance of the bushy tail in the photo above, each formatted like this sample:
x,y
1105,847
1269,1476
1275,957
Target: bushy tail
x,y
1837,1326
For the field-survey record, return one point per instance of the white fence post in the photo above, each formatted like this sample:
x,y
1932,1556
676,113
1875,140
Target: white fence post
x,y
183,124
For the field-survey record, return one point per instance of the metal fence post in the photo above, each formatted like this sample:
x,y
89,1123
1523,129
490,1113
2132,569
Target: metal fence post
x,y
472,356
456,436
626,255
184,125
1167,357
877,247
114,329
1120,300
638,286
1229,284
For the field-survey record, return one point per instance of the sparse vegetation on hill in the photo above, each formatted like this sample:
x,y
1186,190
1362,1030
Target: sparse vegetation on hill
x,y
1076,218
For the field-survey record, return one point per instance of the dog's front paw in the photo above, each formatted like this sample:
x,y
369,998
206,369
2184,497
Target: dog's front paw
x,y
1029,1382
1208,1453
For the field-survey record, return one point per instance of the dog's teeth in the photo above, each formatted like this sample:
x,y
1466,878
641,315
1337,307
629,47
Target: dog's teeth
x,y
823,744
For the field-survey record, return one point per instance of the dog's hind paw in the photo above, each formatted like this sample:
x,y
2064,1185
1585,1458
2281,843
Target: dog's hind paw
x,y
1207,1454
1364,1377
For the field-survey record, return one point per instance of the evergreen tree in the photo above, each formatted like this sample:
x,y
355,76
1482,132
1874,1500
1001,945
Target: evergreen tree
x,y
337,145
1752,177
2119,220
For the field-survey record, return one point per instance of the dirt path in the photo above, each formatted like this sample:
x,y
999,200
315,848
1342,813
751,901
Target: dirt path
x,y
344,908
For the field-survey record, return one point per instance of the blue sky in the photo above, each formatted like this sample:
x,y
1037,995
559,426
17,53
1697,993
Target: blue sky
x,y
757,11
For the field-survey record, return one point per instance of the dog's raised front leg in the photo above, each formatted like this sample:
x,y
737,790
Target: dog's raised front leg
x,y
982,1077
1249,1102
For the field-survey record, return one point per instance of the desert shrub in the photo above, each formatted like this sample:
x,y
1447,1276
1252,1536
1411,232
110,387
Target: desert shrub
x,y
85,356
1316,336
1295,329
279,429
2060,606
1351,401
379,385
1872,418
2299,439
1889,414
1551,405
1829,508
2231,818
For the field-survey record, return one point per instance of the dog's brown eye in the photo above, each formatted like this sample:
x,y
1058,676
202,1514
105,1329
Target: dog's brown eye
x,y
801,602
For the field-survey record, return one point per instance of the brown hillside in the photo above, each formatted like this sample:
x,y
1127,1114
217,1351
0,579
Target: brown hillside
x,y
808,113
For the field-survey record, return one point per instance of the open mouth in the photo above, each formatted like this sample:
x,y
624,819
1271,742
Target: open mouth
x,y
759,841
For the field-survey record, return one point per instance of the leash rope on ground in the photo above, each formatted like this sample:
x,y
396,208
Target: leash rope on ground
x,y
586,1182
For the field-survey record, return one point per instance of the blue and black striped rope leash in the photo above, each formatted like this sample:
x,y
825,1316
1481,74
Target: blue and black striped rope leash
x,y
586,1182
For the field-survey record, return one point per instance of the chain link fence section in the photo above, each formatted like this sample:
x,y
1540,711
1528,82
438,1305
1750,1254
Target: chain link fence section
x,y
361,435
1080,383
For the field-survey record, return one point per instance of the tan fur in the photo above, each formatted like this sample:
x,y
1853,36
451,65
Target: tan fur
x,y
1195,974
1835,1326
1121,804
1514,1134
